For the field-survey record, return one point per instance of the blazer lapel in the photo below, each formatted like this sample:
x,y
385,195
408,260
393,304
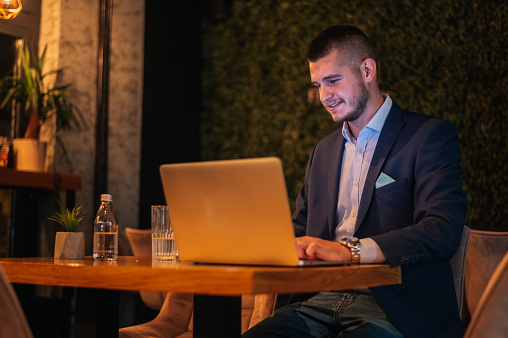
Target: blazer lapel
x,y
388,135
334,171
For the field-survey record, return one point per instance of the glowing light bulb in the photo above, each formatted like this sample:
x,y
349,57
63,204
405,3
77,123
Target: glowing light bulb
x,y
9,9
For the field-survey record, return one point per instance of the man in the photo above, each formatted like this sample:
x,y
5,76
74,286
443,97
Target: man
x,y
389,177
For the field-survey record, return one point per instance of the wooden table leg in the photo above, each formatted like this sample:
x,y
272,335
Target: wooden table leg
x,y
97,313
217,316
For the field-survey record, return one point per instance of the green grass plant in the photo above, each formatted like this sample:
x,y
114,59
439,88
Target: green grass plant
x,y
69,219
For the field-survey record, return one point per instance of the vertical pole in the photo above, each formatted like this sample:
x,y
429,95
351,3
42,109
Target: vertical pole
x,y
217,316
97,313
101,137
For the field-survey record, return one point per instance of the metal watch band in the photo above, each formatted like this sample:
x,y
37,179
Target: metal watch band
x,y
354,245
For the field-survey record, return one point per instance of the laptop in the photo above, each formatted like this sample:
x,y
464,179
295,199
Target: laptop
x,y
231,212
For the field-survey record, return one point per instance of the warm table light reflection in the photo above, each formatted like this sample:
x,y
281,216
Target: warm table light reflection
x,y
9,9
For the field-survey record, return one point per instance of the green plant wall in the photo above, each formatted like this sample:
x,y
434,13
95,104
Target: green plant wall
x,y
444,58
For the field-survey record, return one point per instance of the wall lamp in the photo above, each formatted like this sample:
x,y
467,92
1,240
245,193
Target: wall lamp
x,y
9,9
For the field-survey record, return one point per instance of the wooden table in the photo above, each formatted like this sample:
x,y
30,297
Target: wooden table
x,y
209,283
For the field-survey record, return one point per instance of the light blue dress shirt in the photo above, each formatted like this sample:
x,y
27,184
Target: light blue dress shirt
x,y
355,166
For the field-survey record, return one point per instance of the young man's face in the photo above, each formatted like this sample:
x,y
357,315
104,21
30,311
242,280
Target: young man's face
x,y
341,89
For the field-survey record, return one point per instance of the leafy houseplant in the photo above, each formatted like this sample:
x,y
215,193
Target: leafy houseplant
x,y
35,97
69,244
32,93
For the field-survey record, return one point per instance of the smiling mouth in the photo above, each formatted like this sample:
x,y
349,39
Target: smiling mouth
x,y
332,106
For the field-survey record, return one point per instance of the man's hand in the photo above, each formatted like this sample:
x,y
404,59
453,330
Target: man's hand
x,y
312,248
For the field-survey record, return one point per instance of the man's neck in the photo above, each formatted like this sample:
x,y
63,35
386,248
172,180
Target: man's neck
x,y
356,126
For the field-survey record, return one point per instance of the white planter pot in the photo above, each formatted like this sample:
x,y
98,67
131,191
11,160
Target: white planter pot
x,y
29,154
70,245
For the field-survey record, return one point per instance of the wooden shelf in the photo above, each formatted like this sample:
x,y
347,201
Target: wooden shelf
x,y
12,178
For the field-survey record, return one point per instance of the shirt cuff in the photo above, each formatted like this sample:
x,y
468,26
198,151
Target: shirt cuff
x,y
370,252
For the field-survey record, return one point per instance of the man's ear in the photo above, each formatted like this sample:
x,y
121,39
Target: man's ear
x,y
369,69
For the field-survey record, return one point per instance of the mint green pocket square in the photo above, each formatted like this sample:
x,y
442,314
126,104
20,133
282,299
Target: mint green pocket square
x,y
383,180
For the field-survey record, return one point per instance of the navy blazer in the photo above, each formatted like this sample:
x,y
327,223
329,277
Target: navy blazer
x,y
417,221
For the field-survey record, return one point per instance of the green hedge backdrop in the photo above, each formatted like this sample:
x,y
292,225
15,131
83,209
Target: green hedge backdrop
x,y
445,58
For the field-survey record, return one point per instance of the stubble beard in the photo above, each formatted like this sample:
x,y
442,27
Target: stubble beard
x,y
359,105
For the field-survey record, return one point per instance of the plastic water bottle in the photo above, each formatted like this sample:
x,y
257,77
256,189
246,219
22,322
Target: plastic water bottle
x,y
105,231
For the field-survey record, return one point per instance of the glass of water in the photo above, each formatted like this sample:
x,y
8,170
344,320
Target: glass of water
x,y
163,239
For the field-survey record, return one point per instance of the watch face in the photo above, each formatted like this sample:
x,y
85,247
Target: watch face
x,y
353,245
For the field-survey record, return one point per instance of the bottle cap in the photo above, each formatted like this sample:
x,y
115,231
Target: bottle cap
x,y
106,198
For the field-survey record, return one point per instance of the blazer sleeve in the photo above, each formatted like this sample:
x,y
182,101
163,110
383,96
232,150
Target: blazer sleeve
x,y
428,163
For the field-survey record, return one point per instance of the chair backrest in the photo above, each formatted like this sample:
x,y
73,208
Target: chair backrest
x,y
13,322
458,264
140,241
486,249
490,318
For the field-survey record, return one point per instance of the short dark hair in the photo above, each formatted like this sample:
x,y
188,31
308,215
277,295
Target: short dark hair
x,y
348,40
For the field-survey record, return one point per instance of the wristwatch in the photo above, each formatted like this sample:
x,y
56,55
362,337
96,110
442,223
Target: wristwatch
x,y
354,245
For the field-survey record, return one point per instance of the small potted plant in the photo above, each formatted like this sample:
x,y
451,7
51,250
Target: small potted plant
x,y
34,95
69,244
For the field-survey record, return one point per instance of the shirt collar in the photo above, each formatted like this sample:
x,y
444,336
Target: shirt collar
x,y
378,120
376,123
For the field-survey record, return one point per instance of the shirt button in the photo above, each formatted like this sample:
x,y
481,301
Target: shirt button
x,y
355,182
353,214
359,151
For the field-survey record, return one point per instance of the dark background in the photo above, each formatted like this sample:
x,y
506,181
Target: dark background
x,y
446,58
172,94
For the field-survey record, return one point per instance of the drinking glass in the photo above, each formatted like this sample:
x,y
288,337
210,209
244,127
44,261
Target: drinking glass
x,y
163,239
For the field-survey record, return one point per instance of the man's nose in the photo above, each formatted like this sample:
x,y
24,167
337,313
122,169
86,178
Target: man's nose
x,y
325,94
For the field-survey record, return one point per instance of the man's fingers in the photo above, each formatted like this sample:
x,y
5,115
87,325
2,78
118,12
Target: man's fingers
x,y
312,248
313,251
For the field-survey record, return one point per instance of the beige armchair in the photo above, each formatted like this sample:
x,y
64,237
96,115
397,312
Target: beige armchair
x,y
486,249
491,313
13,322
175,318
140,241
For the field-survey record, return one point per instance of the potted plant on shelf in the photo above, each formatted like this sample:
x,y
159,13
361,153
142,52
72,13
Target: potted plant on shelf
x,y
33,95
69,244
